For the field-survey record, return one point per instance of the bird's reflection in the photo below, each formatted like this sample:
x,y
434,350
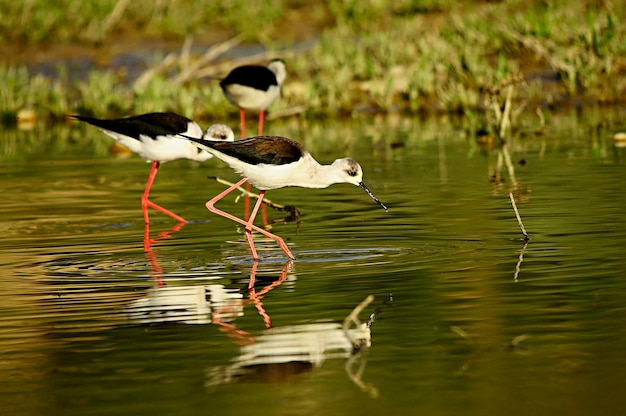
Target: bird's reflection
x,y
284,352
281,354
200,304
186,304
255,297
278,354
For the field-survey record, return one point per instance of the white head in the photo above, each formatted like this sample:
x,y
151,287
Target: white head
x,y
349,171
277,66
219,132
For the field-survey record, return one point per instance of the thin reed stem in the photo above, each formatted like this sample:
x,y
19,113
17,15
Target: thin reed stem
x,y
519,219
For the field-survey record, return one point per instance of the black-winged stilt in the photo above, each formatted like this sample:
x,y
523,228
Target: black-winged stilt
x,y
254,87
153,137
272,162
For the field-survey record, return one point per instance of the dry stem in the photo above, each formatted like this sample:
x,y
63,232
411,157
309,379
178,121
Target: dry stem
x,y
519,219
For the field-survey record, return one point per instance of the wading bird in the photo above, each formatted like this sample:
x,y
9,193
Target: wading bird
x,y
272,162
153,136
254,87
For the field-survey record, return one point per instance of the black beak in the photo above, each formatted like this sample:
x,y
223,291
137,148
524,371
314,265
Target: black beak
x,y
367,191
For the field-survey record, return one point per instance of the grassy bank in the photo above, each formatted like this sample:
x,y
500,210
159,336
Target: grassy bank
x,y
414,57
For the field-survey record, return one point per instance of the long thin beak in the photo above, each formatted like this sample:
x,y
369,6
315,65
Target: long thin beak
x,y
367,191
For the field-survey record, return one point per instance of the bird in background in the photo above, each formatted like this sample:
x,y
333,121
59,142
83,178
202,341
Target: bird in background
x,y
254,87
153,136
273,162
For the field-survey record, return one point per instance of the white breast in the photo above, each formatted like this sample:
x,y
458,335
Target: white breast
x,y
251,98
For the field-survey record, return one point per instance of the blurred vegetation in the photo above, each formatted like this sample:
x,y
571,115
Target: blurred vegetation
x,y
406,56
95,21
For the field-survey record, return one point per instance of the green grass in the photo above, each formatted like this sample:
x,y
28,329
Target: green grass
x,y
408,56
33,21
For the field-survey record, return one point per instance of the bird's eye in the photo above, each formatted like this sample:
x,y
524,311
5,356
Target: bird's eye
x,y
352,172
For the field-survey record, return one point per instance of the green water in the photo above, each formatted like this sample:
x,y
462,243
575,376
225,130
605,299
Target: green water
x,y
466,317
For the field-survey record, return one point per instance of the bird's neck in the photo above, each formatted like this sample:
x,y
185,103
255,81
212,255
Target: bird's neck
x,y
321,176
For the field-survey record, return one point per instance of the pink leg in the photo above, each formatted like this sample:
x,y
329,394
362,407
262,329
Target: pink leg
x,y
251,222
246,203
242,122
261,120
246,200
146,203
246,207
264,214
248,224
255,265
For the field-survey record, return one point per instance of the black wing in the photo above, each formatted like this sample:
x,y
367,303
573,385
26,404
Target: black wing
x,y
254,76
151,124
270,150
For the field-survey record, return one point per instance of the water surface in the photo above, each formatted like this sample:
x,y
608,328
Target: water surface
x,y
103,316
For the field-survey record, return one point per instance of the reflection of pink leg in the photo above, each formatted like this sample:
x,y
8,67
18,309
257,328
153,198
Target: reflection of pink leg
x,y
146,203
243,337
256,296
157,271
255,265
248,224
232,331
